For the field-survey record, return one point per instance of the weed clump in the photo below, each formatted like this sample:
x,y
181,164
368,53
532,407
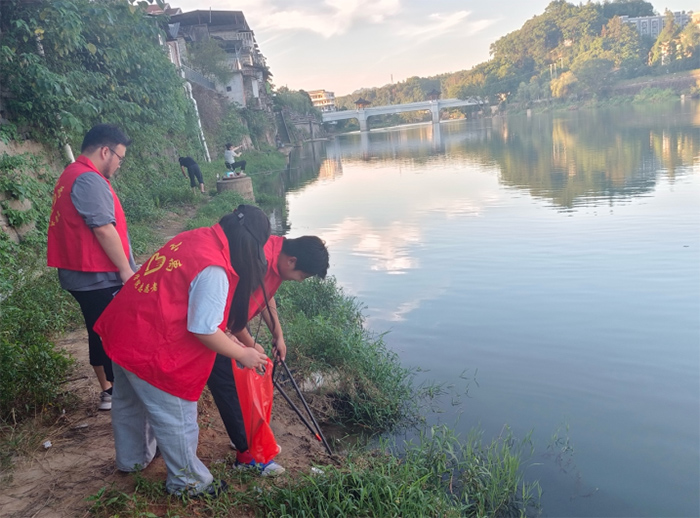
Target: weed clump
x,y
32,304
366,382
438,475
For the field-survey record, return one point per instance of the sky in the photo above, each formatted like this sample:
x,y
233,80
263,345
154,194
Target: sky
x,y
345,45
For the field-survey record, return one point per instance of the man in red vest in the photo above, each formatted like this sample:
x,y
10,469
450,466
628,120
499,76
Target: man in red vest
x,y
287,260
88,240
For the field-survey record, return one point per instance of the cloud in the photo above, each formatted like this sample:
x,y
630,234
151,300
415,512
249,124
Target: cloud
x,y
436,23
434,26
331,18
327,18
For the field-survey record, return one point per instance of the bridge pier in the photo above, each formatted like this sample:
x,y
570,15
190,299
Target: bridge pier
x,y
362,119
435,112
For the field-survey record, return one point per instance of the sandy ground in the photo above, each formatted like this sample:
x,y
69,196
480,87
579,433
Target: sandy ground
x,y
54,482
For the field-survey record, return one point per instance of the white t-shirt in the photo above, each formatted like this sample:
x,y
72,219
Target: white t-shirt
x,y
230,156
207,300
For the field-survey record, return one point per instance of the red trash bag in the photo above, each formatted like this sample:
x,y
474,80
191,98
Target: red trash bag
x,y
255,397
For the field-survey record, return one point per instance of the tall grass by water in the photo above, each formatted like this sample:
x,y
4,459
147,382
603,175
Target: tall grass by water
x,y
438,475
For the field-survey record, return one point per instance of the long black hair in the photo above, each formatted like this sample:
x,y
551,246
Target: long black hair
x,y
247,230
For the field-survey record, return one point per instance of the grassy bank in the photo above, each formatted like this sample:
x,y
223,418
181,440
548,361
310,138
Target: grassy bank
x,y
439,475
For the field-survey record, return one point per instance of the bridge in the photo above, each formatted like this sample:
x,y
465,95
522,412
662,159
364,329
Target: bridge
x,y
362,114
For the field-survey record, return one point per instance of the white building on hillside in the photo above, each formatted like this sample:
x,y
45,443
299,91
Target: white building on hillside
x,y
323,100
652,25
230,29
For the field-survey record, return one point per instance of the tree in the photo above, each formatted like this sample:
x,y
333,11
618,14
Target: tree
x,y
564,85
297,101
689,43
210,59
594,75
664,49
622,42
68,64
631,8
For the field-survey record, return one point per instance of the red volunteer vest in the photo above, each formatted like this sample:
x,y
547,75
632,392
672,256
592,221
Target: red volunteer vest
x,y
71,243
272,281
144,329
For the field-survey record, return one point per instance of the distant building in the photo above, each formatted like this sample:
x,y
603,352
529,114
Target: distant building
x,y
653,25
323,100
155,9
230,28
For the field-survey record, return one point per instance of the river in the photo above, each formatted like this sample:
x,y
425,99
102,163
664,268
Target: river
x,y
548,266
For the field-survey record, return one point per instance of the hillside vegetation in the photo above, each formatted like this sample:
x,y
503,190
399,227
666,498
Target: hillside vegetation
x,y
569,51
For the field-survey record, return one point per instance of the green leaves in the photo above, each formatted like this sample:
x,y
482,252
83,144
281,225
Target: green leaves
x,y
89,51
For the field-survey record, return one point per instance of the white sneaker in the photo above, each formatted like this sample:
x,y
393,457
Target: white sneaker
x,y
105,401
270,469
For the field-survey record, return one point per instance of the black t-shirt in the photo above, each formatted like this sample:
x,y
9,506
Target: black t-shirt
x,y
188,162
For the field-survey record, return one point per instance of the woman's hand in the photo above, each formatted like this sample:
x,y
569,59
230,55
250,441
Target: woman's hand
x,y
252,359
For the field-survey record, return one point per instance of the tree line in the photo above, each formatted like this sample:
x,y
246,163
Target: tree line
x,y
567,51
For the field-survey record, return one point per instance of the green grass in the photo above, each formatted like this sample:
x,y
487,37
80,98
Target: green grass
x,y
324,330
210,213
655,95
438,475
36,309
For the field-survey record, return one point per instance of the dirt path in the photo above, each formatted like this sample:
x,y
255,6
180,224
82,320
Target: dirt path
x,y
54,482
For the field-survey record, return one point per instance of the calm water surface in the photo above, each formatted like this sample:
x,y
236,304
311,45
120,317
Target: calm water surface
x,y
555,261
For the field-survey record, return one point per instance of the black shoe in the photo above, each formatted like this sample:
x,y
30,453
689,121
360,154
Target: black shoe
x,y
214,490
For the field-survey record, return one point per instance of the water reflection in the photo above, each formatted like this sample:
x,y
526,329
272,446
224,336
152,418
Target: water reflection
x,y
305,165
584,158
588,157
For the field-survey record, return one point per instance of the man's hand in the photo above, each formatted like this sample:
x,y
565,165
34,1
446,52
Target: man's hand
x,y
280,349
111,243
125,275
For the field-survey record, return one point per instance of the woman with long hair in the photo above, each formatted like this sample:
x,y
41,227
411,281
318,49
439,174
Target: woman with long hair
x,y
163,331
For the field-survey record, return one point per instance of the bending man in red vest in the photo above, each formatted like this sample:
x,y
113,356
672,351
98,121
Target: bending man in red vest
x,y
88,240
287,260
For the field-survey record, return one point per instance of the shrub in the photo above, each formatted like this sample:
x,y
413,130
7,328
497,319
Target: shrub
x,y
655,95
31,369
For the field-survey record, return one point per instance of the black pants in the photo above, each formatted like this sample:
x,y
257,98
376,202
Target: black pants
x,y
92,304
223,387
239,163
195,174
